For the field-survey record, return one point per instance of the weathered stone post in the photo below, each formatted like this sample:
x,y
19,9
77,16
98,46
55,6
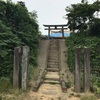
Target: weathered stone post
x,y
16,67
77,70
25,64
86,69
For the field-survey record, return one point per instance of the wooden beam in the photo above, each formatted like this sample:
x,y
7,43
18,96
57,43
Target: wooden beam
x,y
55,29
55,25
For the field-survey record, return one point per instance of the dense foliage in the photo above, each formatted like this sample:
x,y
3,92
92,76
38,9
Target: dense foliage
x,y
77,40
88,35
18,27
74,41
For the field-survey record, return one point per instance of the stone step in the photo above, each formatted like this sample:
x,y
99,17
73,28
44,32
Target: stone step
x,y
53,55
53,49
53,69
56,52
52,76
53,43
51,81
54,46
52,58
52,66
53,63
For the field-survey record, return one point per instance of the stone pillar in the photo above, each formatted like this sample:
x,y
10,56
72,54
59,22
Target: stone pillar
x,y
77,70
49,33
16,67
86,69
25,64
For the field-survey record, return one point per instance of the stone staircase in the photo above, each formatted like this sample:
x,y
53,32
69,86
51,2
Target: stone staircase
x,y
52,74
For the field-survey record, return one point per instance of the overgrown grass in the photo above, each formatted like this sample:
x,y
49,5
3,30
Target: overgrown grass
x,y
5,84
7,92
88,97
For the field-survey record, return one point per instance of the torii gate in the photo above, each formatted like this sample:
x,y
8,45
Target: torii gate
x,y
55,27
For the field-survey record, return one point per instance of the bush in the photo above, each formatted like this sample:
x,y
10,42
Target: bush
x,y
5,84
78,39
91,42
88,97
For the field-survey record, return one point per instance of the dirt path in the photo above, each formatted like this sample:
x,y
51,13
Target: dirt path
x,y
52,92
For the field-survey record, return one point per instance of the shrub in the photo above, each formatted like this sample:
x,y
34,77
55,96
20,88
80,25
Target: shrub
x,y
5,84
78,39
88,97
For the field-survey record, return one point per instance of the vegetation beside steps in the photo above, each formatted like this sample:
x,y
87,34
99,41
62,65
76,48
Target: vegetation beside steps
x,y
85,27
18,27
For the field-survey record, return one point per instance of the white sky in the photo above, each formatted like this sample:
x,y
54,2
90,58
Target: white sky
x,y
49,11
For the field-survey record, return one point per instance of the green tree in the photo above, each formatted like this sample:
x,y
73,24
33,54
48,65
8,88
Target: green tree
x,y
7,42
95,27
80,16
18,27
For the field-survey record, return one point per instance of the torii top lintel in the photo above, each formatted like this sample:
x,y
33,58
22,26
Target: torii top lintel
x,y
55,27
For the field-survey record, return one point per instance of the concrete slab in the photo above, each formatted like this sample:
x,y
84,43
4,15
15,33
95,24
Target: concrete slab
x,y
43,53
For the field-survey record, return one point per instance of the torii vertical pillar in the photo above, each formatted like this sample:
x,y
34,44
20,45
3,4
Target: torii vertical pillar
x,y
49,33
62,32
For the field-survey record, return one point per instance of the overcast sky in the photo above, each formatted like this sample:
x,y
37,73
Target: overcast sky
x,y
49,11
